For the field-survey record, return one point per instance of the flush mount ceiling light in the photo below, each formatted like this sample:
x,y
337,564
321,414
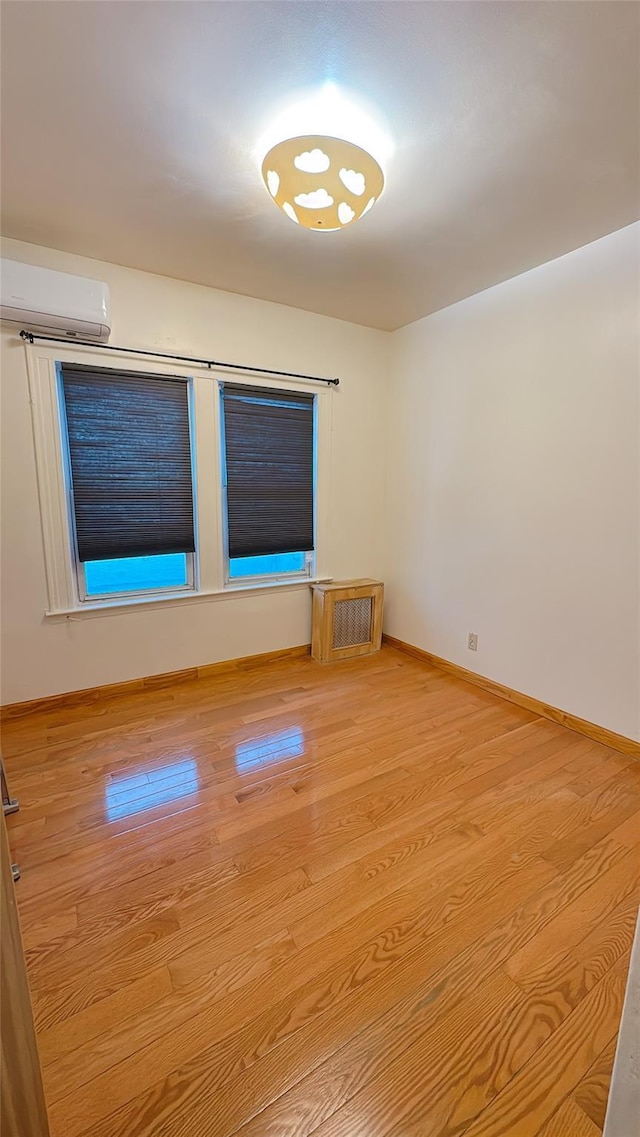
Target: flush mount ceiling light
x,y
320,182
323,152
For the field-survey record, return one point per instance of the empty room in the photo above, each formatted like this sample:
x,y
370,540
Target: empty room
x,y
320,568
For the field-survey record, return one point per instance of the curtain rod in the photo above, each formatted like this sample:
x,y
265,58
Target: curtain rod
x,y
30,337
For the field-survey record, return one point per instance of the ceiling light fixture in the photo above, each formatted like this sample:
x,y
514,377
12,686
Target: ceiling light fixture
x,y
315,169
322,183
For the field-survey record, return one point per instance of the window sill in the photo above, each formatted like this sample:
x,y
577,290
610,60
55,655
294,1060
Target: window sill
x,y
170,599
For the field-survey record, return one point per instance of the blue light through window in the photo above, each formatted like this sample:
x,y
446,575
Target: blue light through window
x,y
136,574
275,564
135,793
271,748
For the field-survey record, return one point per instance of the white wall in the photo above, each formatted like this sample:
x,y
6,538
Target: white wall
x,y
511,422
513,495
43,657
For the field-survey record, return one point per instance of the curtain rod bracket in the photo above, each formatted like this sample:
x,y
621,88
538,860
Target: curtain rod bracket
x,y
31,337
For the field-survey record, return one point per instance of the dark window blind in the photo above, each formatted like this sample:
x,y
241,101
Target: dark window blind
x,y
269,470
130,456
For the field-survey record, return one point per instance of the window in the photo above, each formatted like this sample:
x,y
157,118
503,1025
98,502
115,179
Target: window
x,y
268,443
129,470
173,484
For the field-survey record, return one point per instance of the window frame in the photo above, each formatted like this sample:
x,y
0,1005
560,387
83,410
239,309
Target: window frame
x,y
63,592
310,555
81,593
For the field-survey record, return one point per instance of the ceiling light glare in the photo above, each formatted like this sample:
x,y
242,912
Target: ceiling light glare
x,y
331,111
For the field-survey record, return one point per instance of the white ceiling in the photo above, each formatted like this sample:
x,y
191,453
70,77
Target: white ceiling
x,y
129,130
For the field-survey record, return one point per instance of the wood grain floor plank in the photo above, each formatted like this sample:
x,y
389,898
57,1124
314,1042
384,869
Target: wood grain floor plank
x,y
96,923
194,1108
109,1014
187,1083
374,896
571,975
439,864
63,922
390,959
242,1039
179,1014
567,930
608,808
111,863
440,991
569,1121
55,990
592,1091
556,1068
477,1047
628,832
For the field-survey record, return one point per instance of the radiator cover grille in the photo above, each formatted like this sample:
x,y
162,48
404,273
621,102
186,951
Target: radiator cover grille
x,y
352,622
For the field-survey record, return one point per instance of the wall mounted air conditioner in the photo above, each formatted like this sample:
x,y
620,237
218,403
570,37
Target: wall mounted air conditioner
x,y
55,303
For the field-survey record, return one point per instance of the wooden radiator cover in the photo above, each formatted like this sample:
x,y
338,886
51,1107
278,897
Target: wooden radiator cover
x,y
347,619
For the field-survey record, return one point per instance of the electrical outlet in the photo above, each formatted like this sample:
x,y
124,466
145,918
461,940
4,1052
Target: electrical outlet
x,y
472,642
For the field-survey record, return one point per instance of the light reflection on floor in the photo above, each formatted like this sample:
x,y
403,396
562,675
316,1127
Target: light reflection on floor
x,y
270,748
135,793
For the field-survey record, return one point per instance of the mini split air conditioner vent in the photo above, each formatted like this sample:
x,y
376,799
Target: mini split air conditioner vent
x,y
54,303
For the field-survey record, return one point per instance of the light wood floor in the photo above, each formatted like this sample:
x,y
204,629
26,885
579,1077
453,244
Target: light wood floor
x,y
358,900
